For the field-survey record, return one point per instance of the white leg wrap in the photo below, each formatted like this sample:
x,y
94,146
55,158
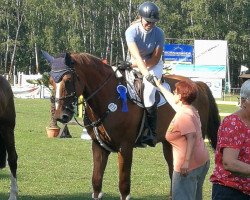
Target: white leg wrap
x,y
127,197
13,188
100,195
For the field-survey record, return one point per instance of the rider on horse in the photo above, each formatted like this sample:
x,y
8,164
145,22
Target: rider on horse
x,y
145,43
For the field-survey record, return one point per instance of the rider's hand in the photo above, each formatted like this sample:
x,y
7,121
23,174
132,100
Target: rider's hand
x,y
157,82
151,78
124,65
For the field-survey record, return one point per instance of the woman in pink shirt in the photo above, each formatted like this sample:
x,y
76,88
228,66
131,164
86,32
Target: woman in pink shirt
x,y
231,175
191,157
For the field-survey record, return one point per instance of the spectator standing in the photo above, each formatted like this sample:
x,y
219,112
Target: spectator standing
x,y
231,175
191,157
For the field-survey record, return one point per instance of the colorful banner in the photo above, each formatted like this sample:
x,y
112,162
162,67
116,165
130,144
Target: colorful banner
x,y
178,53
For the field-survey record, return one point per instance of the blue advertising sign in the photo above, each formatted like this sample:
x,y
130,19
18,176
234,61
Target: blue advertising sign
x,y
178,52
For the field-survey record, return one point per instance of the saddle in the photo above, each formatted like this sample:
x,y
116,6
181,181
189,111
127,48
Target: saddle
x,y
134,83
133,80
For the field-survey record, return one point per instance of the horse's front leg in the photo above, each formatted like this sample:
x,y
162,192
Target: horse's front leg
x,y
125,156
13,188
100,158
12,161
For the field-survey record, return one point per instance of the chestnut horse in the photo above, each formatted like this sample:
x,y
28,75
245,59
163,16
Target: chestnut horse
x,y
111,129
7,140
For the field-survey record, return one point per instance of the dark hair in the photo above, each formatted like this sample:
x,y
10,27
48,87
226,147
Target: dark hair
x,y
187,90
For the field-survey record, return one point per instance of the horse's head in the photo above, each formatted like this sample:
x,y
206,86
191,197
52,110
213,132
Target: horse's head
x,y
64,80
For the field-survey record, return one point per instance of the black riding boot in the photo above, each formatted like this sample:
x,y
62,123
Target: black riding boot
x,y
150,139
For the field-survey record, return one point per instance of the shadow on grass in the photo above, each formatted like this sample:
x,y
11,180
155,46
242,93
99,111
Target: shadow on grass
x,y
4,176
78,197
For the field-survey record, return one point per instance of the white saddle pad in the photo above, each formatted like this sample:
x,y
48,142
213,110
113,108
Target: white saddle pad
x,y
133,95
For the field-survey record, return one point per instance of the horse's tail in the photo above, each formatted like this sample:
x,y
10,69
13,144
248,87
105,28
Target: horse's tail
x,y
213,122
2,153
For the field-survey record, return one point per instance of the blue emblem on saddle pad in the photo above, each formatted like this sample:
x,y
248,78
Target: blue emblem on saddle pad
x,y
122,90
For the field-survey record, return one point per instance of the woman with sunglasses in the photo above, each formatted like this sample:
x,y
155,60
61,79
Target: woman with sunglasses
x,y
145,43
231,175
190,155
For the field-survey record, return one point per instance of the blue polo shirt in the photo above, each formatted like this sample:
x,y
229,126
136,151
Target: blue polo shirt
x,y
146,41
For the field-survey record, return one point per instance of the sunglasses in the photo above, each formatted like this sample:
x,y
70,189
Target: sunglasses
x,y
148,22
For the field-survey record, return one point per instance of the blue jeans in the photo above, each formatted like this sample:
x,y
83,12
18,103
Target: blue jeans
x,y
221,192
189,187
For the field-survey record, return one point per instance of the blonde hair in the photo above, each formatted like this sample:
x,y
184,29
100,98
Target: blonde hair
x,y
138,19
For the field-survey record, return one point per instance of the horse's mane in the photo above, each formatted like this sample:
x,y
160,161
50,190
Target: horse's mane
x,y
87,59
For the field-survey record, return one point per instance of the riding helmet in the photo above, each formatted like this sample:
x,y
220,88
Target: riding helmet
x,y
149,11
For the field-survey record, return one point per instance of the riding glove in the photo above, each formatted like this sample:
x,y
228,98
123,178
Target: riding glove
x,y
150,78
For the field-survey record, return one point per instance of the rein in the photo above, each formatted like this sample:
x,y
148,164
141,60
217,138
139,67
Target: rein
x,y
104,115
98,123
98,89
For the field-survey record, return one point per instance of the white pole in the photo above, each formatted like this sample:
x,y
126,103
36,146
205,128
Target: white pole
x,y
228,73
37,67
14,75
19,78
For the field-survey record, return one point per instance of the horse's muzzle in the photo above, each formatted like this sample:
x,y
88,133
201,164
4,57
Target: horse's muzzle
x,y
65,118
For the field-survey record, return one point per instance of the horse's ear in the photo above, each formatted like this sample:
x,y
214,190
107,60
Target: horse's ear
x,y
68,60
48,57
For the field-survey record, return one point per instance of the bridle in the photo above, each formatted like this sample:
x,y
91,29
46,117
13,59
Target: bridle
x,y
59,75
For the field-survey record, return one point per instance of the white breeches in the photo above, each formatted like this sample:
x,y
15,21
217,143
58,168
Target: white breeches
x,y
149,89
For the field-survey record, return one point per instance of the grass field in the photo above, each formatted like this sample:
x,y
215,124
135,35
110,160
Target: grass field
x,y
62,168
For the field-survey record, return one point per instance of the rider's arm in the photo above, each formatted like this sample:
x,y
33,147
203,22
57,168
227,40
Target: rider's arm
x,y
155,58
134,51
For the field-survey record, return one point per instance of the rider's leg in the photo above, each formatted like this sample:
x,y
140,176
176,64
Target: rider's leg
x,y
150,104
151,113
